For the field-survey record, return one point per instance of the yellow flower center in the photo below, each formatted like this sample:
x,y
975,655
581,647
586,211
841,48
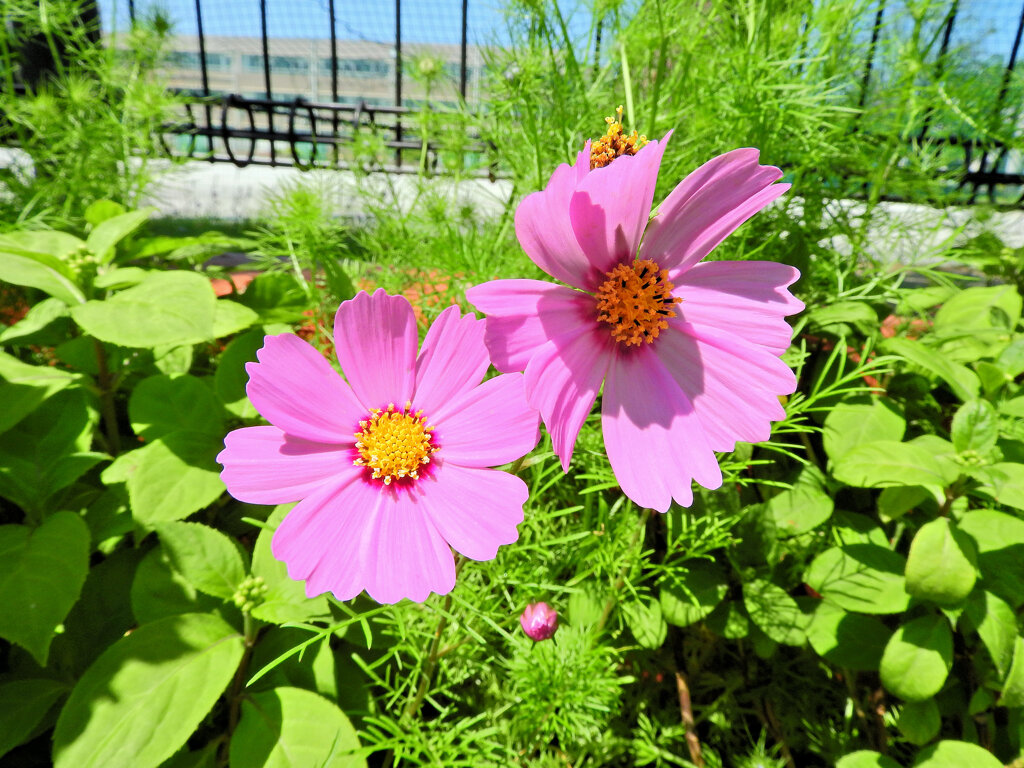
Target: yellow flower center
x,y
636,301
615,143
394,444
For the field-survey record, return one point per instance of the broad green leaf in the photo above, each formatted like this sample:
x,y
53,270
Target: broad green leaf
x,y
231,317
121,277
1000,540
1003,482
693,595
293,728
833,317
917,658
585,608
850,528
160,405
23,703
230,378
975,427
729,620
48,450
941,563
866,759
39,270
277,297
919,721
996,624
851,424
23,387
41,575
140,701
1013,688
165,308
312,669
961,380
1011,359
848,640
895,501
173,359
105,236
775,612
645,622
100,210
956,754
159,591
49,242
978,309
860,577
174,476
886,463
207,558
286,598
45,323
1014,407
803,507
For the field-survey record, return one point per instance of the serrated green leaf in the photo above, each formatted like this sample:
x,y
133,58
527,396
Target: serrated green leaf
x,y
41,575
897,500
1013,687
291,728
978,309
173,477
231,317
140,701
852,423
956,754
39,270
941,564
961,380
166,308
45,323
160,405
803,507
230,378
917,658
159,591
1003,482
775,612
860,577
207,558
693,595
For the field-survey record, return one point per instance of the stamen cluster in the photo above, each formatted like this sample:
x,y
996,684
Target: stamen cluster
x,y
614,143
636,301
394,443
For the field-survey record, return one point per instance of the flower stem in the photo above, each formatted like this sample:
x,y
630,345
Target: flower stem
x,y
626,568
686,712
249,631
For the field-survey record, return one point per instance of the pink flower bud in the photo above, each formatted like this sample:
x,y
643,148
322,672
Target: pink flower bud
x,y
539,621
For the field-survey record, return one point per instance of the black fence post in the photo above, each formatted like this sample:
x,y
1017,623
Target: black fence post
x,y
207,112
940,63
865,83
266,78
398,80
462,50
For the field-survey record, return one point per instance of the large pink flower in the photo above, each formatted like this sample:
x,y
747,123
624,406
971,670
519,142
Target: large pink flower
x,y
688,352
391,468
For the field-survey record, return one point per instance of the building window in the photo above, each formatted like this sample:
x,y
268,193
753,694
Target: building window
x,y
287,65
190,60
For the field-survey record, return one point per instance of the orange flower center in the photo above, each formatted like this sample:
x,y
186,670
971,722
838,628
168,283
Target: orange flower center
x,y
615,143
394,444
636,301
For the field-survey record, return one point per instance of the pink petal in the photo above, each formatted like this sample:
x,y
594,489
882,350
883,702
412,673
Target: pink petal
x,y
488,426
524,314
562,381
707,206
452,361
375,337
412,558
475,510
611,207
263,465
747,298
326,539
654,439
733,386
543,226
295,389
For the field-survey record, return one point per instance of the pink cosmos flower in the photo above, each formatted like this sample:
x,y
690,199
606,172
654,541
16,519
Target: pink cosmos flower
x,y
539,621
391,468
688,352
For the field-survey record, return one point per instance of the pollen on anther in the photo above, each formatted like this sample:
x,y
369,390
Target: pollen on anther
x,y
394,444
615,143
636,300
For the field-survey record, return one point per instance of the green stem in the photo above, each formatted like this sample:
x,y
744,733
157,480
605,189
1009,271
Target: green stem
x,y
249,631
109,413
624,572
